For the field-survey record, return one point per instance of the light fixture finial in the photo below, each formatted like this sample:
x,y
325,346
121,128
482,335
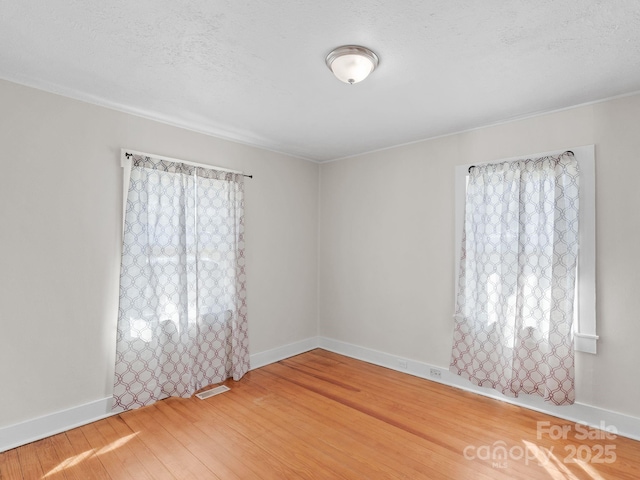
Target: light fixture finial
x,y
352,63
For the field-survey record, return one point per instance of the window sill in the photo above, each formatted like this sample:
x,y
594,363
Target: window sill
x,y
583,342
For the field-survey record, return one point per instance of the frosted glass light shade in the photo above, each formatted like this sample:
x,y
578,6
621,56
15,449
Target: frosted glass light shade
x,y
351,63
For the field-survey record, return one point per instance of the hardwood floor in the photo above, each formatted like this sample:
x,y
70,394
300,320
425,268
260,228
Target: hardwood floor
x,y
322,415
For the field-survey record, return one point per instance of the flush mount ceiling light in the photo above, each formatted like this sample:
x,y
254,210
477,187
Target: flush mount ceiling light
x,y
352,63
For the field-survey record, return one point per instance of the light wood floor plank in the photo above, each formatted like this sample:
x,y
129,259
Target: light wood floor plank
x,y
49,459
413,450
301,458
320,415
10,465
182,463
444,446
357,447
259,462
112,460
145,457
74,464
319,438
89,466
194,440
28,455
498,421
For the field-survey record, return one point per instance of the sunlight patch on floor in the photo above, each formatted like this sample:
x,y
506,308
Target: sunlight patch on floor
x,y
81,457
588,468
116,444
70,462
550,462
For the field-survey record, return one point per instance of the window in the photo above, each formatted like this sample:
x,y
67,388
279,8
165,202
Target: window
x,y
585,314
182,322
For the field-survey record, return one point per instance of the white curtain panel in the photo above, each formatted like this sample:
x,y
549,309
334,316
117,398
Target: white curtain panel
x,y
182,319
513,321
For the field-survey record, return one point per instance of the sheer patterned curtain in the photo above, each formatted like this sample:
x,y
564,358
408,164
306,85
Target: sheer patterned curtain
x,y
182,319
514,313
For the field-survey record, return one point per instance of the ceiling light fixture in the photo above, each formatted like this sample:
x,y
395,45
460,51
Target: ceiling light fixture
x,y
352,63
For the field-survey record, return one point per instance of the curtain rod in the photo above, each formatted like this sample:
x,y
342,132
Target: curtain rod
x,y
568,151
130,153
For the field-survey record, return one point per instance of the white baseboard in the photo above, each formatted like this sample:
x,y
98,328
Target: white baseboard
x,y
280,353
38,428
29,431
626,425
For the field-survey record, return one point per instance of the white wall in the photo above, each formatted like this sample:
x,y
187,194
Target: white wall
x,y
385,246
387,242
60,225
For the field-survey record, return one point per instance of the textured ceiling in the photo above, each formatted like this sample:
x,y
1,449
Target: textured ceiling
x,y
254,71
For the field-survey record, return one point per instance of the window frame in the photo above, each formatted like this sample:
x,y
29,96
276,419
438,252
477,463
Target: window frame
x,y
585,337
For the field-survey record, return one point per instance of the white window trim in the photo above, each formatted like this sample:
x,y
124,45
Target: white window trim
x,y
585,338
